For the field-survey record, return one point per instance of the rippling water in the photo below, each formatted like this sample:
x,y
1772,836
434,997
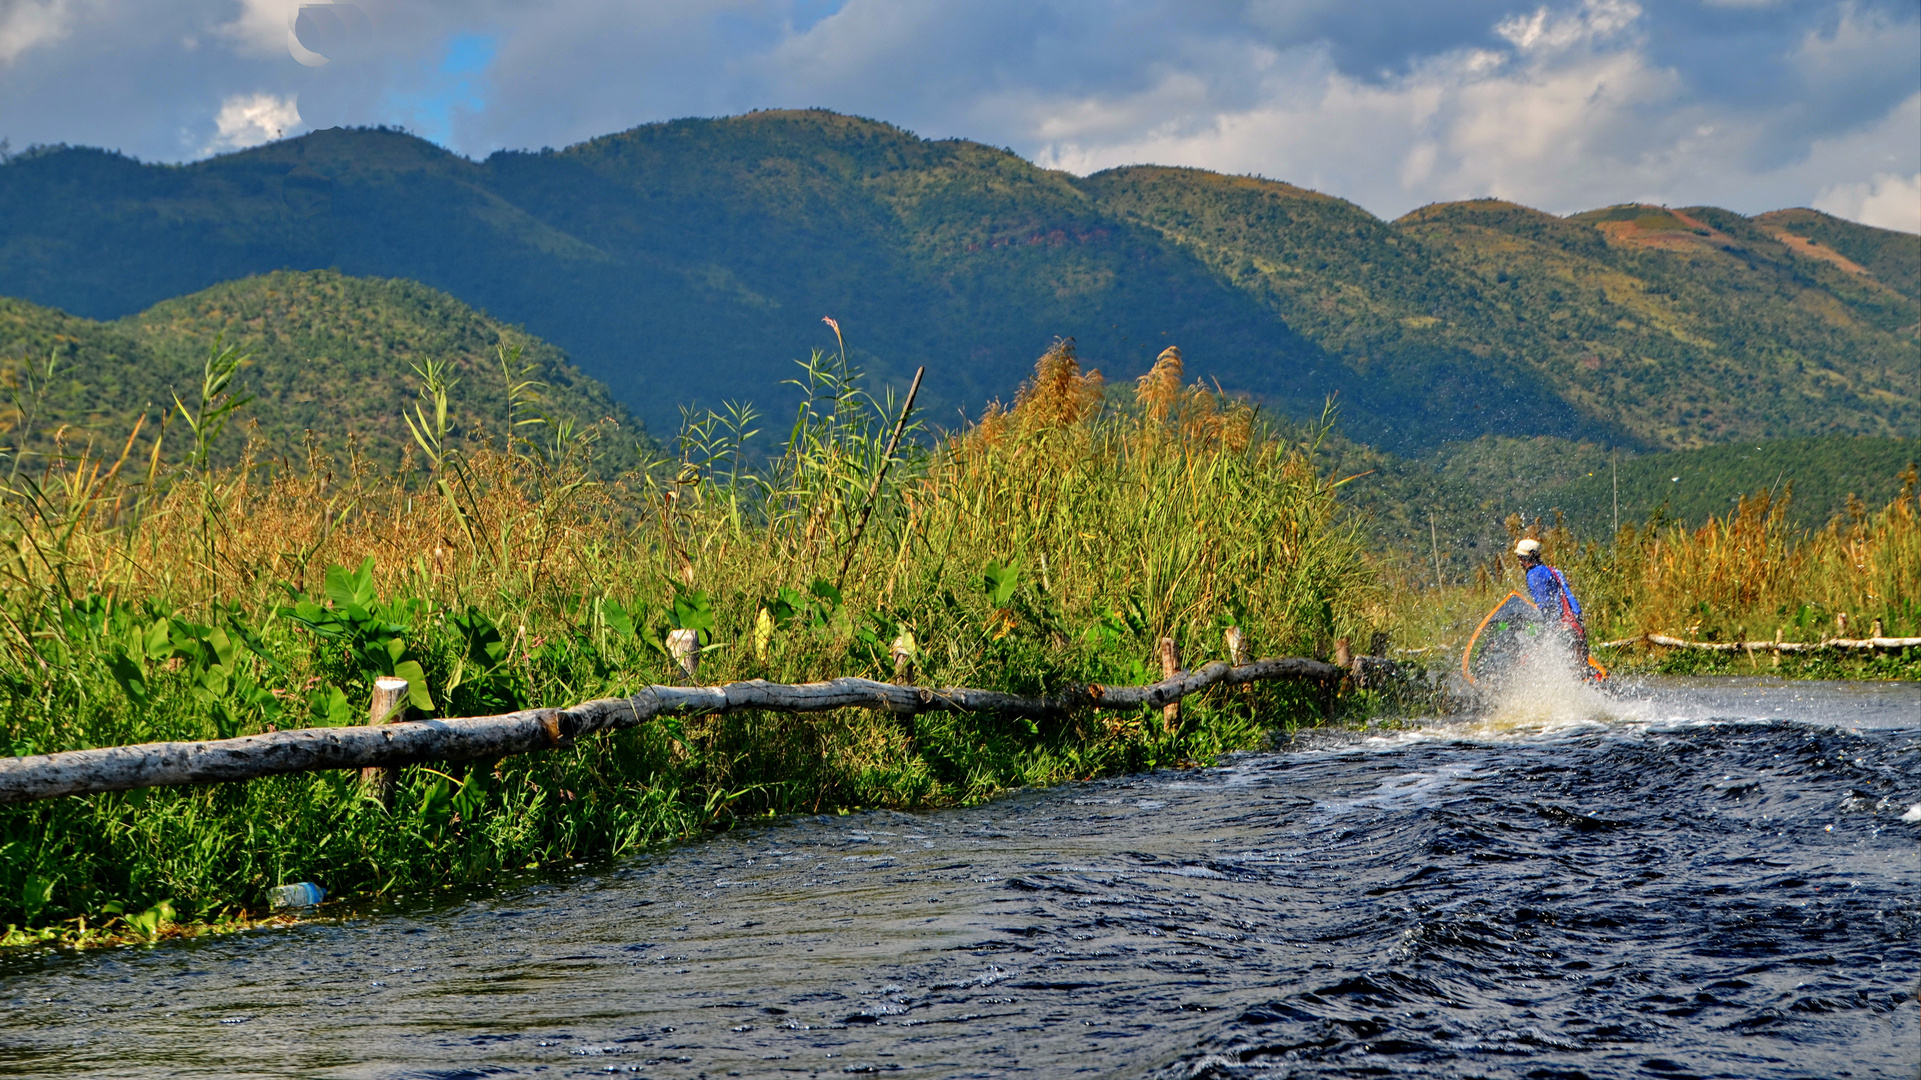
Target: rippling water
x,y
1700,878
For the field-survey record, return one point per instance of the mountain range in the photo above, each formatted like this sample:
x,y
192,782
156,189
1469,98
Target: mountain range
x,y
690,262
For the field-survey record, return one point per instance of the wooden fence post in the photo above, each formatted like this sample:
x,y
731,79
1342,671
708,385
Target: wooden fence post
x,y
1236,646
1237,654
685,647
1343,659
1170,667
389,707
903,650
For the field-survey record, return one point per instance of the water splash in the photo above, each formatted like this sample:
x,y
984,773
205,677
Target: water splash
x,y
1546,692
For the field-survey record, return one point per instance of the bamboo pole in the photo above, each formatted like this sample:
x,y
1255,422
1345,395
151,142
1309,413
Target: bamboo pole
x,y
389,706
124,768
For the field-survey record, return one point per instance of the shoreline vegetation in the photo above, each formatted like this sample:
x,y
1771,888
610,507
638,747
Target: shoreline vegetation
x,y
169,596
1056,540
1751,575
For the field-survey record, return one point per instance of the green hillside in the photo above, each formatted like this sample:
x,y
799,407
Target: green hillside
x,y
1690,485
692,261
1680,328
1887,257
330,354
1453,505
679,263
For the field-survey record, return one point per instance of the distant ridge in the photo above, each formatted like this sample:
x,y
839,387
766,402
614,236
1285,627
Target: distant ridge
x,y
329,354
689,262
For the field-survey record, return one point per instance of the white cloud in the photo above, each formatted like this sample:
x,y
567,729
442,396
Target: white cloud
x,y
1557,123
1562,104
1546,29
251,119
1886,201
261,27
1577,113
1857,43
26,24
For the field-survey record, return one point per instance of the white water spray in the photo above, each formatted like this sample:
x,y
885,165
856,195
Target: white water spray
x,y
1545,690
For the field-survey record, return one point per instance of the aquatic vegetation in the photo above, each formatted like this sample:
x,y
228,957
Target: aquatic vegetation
x,y
1058,539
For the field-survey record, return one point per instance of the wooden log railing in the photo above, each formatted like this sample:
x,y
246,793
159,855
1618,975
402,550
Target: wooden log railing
x,y
1667,642
408,742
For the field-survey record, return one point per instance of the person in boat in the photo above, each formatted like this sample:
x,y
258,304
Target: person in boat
x,y
1549,590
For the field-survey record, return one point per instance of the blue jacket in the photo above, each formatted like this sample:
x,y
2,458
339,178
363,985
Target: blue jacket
x,y
1551,594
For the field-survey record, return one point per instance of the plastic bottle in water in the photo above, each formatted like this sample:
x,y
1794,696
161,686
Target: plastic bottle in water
x,y
303,894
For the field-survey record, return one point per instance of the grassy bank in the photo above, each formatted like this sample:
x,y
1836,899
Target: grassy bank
x,y
165,597
1748,575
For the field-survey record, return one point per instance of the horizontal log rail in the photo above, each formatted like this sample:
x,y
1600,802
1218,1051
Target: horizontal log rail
x,y
1663,640
408,742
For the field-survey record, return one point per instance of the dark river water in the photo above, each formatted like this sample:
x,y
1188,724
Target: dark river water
x,y
1690,879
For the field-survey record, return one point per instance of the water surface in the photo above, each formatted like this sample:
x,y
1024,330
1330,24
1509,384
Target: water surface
x,y
1694,878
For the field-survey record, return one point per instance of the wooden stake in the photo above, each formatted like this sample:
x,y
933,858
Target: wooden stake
x,y
904,651
389,707
1236,646
685,647
1170,667
1343,659
1237,654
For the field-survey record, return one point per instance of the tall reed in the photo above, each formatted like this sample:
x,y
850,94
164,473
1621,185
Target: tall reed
x,y
1058,539
1749,575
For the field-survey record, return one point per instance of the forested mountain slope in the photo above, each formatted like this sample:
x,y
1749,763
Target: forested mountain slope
x,y
1453,506
328,354
692,261
1682,327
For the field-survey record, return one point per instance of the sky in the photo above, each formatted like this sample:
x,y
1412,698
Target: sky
x,y
1568,105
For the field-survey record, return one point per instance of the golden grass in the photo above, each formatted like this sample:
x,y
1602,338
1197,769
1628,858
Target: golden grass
x,y
1747,575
